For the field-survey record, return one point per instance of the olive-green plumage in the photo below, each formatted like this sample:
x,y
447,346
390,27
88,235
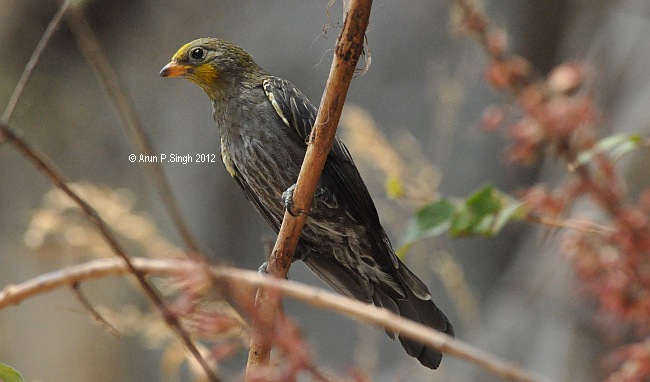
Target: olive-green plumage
x,y
264,122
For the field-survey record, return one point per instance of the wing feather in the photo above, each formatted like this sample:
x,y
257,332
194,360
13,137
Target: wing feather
x,y
294,107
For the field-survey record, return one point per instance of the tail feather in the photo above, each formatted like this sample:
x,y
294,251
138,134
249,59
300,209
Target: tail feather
x,y
413,302
426,313
381,299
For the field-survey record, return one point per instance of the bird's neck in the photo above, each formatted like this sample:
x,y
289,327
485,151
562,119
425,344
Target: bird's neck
x,y
228,87
228,104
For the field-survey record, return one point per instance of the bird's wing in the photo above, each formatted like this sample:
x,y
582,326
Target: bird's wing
x,y
409,298
299,114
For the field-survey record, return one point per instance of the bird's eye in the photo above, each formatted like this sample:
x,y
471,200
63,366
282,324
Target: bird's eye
x,y
197,54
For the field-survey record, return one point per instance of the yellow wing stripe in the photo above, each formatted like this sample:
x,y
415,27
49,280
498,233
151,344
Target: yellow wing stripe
x,y
275,104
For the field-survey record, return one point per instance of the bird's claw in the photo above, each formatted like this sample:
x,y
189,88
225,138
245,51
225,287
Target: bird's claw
x,y
263,269
287,198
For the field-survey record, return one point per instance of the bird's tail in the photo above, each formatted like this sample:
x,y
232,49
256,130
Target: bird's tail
x,y
415,303
419,307
426,313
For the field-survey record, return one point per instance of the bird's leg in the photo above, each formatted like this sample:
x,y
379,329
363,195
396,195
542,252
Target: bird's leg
x,y
263,269
287,198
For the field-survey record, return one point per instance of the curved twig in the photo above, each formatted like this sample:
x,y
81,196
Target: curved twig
x,y
42,163
234,279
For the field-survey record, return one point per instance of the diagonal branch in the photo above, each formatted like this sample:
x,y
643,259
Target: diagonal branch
x,y
348,50
234,280
91,49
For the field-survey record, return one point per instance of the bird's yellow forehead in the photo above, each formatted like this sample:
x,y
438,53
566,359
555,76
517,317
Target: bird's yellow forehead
x,y
178,56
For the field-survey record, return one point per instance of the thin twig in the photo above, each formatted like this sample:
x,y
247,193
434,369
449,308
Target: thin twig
x,y
91,49
574,224
33,60
346,56
76,289
235,279
476,22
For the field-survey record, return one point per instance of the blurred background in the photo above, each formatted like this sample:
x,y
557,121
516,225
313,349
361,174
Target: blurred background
x,y
511,295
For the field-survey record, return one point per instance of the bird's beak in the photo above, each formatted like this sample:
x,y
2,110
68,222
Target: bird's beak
x,y
173,70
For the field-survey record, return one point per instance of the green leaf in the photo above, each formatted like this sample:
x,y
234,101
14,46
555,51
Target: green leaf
x,y
484,213
431,220
484,202
434,214
617,145
8,374
477,215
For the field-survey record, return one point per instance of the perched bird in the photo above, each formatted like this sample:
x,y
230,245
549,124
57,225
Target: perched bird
x,y
264,122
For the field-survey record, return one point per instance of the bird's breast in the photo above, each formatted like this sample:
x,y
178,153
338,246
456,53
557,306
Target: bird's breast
x,y
259,151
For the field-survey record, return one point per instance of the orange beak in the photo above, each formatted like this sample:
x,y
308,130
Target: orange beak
x,y
173,70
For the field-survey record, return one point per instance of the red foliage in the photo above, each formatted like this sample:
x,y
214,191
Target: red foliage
x,y
632,363
558,116
493,117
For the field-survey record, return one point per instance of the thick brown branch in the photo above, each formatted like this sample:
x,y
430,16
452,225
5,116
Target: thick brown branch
x,y
348,50
235,278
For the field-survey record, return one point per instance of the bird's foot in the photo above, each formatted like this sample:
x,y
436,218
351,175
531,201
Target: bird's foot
x,y
287,198
263,269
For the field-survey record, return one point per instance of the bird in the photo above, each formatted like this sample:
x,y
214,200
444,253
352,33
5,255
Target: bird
x,y
264,122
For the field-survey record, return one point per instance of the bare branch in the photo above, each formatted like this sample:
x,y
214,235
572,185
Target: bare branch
x,y
585,226
233,279
348,49
58,179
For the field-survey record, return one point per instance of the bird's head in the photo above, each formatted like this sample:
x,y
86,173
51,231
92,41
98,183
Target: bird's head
x,y
212,63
